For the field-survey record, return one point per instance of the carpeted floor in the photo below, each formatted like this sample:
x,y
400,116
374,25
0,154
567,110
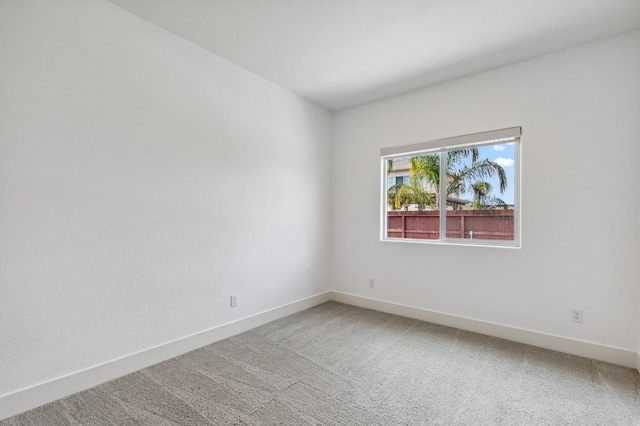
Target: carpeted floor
x,y
342,365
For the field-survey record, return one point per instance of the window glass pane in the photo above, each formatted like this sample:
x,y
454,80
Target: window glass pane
x,y
480,192
469,189
412,202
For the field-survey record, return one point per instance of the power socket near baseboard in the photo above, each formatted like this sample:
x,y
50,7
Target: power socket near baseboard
x,y
576,315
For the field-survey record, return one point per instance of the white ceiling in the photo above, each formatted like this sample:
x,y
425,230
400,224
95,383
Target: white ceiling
x,y
343,53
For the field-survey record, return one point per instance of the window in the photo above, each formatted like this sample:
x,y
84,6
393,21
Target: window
x,y
402,180
473,199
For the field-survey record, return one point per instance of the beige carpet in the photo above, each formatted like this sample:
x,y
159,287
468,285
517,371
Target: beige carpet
x,y
340,365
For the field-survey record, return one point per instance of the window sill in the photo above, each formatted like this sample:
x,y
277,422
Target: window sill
x,y
464,243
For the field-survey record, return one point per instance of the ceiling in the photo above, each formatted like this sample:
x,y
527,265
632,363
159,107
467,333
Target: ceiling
x,y
343,53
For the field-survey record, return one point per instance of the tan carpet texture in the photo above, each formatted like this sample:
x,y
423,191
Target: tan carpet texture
x,y
336,364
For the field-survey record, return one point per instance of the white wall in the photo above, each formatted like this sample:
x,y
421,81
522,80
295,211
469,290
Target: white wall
x,y
142,181
579,110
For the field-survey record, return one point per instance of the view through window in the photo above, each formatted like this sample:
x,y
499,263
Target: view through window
x,y
476,193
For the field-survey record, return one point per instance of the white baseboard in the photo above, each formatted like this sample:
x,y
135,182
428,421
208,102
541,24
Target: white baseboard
x,y
613,355
43,393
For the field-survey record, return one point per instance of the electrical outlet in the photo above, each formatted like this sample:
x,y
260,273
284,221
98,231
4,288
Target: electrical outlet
x,y
372,282
234,300
576,315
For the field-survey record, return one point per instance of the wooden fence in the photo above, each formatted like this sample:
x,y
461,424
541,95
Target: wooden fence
x,y
425,225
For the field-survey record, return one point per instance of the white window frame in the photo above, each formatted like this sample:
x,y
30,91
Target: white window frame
x,y
512,134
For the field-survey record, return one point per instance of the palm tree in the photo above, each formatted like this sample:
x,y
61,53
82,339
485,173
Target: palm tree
x,y
426,169
460,174
399,196
482,199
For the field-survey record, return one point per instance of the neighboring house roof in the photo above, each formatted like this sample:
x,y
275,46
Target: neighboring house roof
x,y
457,201
400,164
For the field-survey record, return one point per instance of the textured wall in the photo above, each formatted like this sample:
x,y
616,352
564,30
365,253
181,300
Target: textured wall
x,y
142,181
579,114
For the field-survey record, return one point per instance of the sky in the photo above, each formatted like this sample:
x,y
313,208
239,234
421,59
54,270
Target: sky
x,y
503,155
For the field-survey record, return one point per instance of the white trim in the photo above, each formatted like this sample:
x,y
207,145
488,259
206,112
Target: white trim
x,y
442,198
43,393
453,242
34,396
517,196
383,198
483,137
613,355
